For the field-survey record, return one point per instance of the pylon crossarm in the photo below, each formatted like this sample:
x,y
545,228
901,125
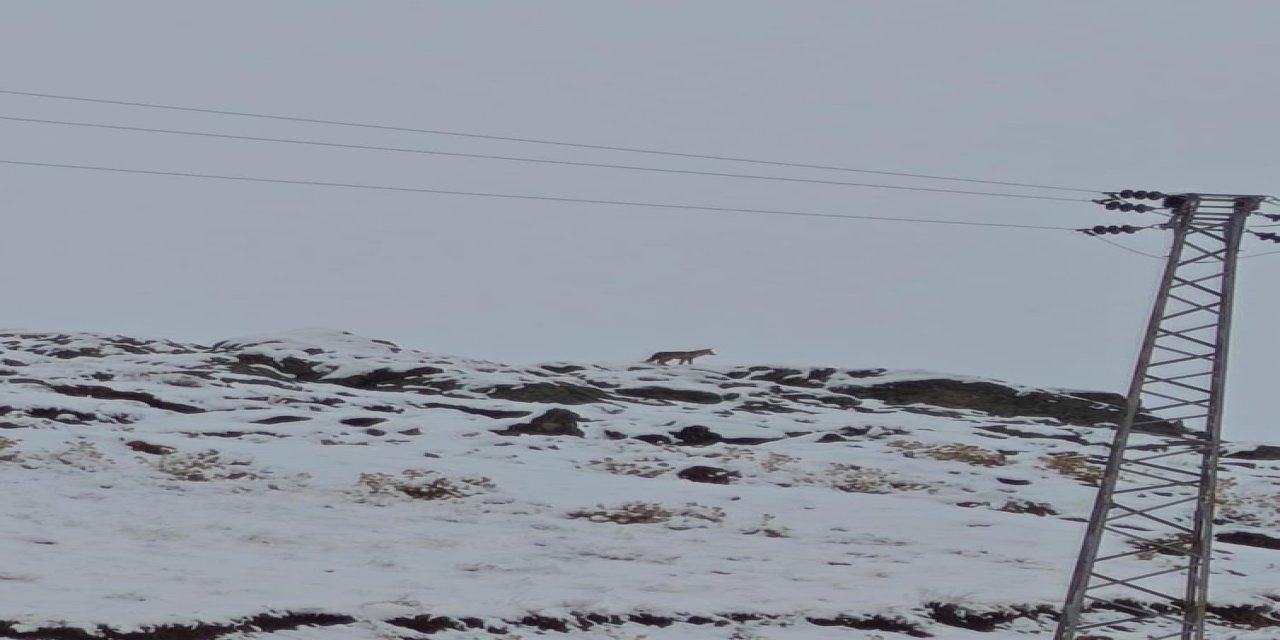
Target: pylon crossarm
x,y
1198,255
1151,487
1193,306
1128,583
1197,281
1195,284
1170,333
1170,381
1182,372
1188,330
1188,358
1204,252
1119,621
1194,255
1194,416
1185,376
1175,419
1135,615
1165,347
1158,375
1181,402
1145,576
1146,514
1150,471
1157,477
1209,231
1128,554
1194,303
1148,541
1212,232
1183,446
1144,462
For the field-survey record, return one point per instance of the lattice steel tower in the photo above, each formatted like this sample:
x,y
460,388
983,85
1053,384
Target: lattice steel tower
x,y
1143,569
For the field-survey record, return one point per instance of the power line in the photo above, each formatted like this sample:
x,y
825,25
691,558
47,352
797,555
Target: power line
x,y
479,194
559,143
1259,255
1129,249
522,159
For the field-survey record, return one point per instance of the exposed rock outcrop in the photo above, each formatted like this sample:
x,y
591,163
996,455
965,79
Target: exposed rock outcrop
x,y
555,422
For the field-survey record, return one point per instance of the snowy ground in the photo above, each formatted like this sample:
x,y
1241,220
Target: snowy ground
x,y
151,484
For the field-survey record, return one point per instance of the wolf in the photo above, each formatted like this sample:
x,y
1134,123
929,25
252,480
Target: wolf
x,y
681,357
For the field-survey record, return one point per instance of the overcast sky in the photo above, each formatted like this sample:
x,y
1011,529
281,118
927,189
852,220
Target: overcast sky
x,y
1162,94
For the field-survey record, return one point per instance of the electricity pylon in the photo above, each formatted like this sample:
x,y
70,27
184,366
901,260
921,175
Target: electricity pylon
x,y
1146,552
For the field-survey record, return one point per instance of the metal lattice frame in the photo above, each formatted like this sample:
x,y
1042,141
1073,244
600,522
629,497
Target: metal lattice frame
x,y
1143,570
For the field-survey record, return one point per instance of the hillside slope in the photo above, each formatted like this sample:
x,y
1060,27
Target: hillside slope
x,y
317,484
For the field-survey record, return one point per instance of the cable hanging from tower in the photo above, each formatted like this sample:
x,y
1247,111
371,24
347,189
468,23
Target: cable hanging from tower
x,y
539,141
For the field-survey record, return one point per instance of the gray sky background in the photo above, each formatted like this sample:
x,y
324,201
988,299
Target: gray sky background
x,y
1170,94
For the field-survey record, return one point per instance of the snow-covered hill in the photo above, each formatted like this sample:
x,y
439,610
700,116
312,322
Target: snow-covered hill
x,y
319,485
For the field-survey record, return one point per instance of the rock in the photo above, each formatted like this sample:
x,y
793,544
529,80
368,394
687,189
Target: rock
x,y
1249,615
756,406
1082,408
812,379
1249,539
147,447
1034,435
287,368
363,422
955,615
555,422
668,393
709,475
547,392
317,369
1026,506
281,419
393,380
696,436
749,441
1260,452
107,393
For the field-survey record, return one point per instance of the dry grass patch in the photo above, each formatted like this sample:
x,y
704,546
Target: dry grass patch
x,y
1073,465
1257,509
643,468
5,454
420,484
687,516
852,478
1173,544
204,466
955,452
